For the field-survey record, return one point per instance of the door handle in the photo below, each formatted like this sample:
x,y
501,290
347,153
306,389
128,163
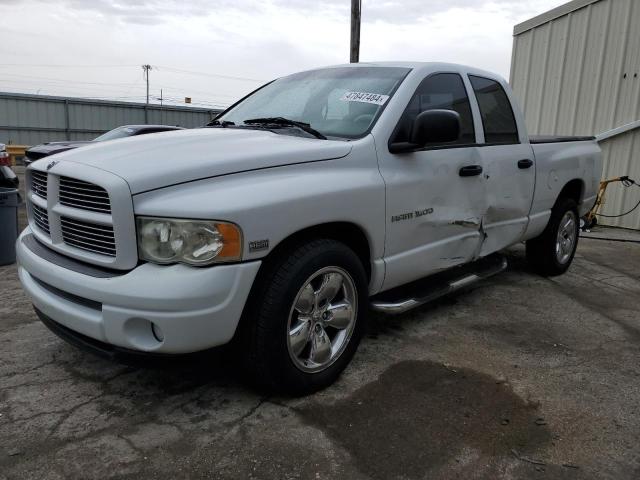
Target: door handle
x,y
526,163
470,171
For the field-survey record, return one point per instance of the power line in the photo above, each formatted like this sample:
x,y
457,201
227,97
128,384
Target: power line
x,y
141,98
171,69
72,91
63,80
70,85
62,86
61,65
190,91
213,75
198,102
130,85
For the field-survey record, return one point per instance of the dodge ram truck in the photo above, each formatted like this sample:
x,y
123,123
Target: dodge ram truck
x,y
314,199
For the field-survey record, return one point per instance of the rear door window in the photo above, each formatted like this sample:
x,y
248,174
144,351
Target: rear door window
x,y
498,120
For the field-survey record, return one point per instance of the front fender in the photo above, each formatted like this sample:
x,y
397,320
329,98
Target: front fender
x,y
274,203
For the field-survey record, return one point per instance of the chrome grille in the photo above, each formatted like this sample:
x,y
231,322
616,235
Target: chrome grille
x,y
84,195
39,183
40,217
88,236
87,214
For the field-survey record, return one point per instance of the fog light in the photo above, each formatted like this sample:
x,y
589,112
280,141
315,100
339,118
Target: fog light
x,y
157,332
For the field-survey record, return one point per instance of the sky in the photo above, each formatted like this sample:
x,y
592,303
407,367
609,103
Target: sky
x,y
216,51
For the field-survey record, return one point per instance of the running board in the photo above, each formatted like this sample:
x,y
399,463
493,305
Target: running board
x,y
407,297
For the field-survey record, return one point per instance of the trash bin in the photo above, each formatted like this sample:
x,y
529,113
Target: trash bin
x,y
9,201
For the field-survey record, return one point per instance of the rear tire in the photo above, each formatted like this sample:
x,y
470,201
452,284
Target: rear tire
x,y
552,252
305,318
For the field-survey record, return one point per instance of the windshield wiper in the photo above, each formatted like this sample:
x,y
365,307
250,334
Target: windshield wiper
x,y
218,123
285,122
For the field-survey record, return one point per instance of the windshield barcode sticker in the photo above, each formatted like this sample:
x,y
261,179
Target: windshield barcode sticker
x,y
365,97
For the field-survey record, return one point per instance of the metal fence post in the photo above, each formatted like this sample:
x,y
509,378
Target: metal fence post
x,y
67,125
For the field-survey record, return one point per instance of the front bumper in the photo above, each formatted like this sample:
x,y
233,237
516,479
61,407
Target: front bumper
x,y
193,309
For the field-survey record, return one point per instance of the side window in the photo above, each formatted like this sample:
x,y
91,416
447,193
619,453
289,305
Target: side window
x,y
440,91
498,120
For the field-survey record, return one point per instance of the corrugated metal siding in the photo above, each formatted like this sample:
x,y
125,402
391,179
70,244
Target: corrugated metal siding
x,y
623,158
579,74
34,119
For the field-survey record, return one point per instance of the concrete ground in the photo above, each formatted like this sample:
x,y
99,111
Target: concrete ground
x,y
520,377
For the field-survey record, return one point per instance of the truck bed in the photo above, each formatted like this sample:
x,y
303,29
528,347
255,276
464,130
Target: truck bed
x,y
558,162
536,139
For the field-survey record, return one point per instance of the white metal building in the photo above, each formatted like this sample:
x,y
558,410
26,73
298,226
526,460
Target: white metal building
x,y
576,71
32,119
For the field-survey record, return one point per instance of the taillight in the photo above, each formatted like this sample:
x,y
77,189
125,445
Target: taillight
x,y
5,159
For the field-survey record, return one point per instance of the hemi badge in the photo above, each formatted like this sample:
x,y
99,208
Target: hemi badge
x,y
258,245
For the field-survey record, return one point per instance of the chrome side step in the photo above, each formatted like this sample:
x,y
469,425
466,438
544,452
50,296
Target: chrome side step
x,y
407,297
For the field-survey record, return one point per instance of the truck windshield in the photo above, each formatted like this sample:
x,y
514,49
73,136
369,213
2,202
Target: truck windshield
x,y
336,102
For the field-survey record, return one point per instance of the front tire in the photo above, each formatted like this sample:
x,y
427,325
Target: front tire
x,y
552,252
305,318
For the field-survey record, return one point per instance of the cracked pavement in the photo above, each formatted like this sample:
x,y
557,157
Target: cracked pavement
x,y
519,377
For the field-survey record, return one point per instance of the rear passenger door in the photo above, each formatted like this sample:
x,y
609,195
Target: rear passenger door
x,y
508,164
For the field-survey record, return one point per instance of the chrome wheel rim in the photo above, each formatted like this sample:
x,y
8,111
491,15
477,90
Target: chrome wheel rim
x,y
566,239
322,319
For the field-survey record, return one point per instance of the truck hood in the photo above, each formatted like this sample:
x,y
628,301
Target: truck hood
x,y
148,162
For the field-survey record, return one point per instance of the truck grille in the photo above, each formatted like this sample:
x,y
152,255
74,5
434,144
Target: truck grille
x,y
84,195
39,183
40,217
89,236
87,218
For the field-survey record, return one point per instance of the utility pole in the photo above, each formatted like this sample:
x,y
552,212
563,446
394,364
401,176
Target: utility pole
x,y
356,13
146,69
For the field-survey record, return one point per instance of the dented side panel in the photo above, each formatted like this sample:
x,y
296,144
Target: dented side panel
x,y
433,215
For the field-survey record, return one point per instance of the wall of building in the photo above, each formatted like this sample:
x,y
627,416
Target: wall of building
x,y
576,71
33,119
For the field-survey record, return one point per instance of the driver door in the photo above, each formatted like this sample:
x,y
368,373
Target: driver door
x,y
434,207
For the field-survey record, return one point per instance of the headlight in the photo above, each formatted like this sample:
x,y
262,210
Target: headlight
x,y
196,242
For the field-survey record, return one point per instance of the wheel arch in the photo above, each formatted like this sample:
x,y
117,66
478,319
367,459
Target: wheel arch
x,y
573,189
348,233
351,234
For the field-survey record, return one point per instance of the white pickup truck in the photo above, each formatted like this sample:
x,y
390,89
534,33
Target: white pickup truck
x,y
277,227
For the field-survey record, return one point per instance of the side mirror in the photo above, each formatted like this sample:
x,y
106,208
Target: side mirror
x,y
435,126
432,126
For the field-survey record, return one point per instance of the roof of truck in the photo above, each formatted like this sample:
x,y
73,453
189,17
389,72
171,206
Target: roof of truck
x,y
421,67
